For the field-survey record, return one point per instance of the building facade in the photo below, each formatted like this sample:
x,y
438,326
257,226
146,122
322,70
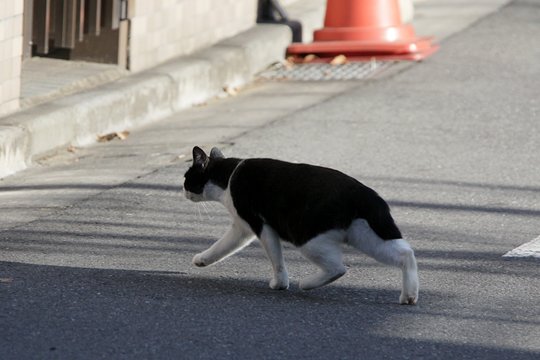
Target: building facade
x,y
11,41
133,34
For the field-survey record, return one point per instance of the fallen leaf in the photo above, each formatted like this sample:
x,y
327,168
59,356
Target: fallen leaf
x,y
72,149
122,135
232,91
105,138
310,58
289,63
339,60
290,59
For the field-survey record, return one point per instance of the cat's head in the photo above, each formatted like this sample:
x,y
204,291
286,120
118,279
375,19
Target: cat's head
x,y
198,185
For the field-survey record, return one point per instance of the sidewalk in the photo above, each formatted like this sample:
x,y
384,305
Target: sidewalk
x,y
130,101
137,99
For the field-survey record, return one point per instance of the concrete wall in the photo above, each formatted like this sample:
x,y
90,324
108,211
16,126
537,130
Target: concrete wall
x,y
11,30
161,30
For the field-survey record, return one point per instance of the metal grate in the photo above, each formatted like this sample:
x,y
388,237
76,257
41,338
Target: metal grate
x,y
325,72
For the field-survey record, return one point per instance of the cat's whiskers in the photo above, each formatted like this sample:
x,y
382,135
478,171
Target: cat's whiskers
x,y
205,207
199,211
213,205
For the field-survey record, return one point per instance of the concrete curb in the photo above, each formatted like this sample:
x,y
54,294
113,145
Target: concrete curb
x,y
139,98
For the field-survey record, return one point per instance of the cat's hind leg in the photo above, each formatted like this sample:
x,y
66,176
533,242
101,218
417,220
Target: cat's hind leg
x,y
272,245
395,252
237,237
324,251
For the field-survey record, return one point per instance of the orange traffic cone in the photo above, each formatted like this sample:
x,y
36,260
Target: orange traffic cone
x,y
363,30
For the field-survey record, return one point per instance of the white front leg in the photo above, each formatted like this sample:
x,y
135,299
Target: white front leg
x,y
236,238
272,245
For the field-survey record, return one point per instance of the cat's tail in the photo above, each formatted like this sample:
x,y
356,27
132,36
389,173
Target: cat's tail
x,y
396,252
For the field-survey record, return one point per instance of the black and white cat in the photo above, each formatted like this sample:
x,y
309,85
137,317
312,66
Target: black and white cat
x,y
315,208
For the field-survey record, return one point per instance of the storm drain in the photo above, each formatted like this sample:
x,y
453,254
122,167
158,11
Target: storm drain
x,y
325,72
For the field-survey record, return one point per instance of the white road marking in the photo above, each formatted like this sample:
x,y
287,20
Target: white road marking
x,y
530,249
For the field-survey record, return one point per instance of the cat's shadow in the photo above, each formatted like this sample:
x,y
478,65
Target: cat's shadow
x,y
178,286
253,289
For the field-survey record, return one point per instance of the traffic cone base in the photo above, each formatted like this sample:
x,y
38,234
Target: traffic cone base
x,y
365,29
364,50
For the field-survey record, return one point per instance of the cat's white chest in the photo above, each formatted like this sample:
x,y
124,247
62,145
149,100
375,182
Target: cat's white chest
x,y
213,192
227,201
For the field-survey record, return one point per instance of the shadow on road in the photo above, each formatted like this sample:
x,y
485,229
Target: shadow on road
x,y
65,312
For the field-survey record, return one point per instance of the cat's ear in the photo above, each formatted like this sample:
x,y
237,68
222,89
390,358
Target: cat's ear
x,y
215,153
199,157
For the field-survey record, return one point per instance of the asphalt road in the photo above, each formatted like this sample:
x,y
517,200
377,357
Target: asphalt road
x,y
96,245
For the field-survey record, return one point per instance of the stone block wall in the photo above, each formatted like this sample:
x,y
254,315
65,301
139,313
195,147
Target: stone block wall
x,y
11,30
164,29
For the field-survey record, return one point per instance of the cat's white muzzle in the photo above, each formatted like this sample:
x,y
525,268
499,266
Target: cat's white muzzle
x,y
192,196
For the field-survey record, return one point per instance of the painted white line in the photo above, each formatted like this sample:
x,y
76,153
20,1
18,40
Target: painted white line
x,y
530,249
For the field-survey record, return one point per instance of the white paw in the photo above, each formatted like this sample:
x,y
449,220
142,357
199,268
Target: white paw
x,y
321,279
306,285
408,299
279,284
199,260
312,282
409,291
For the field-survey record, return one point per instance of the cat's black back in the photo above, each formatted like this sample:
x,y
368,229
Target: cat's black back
x,y
301,201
